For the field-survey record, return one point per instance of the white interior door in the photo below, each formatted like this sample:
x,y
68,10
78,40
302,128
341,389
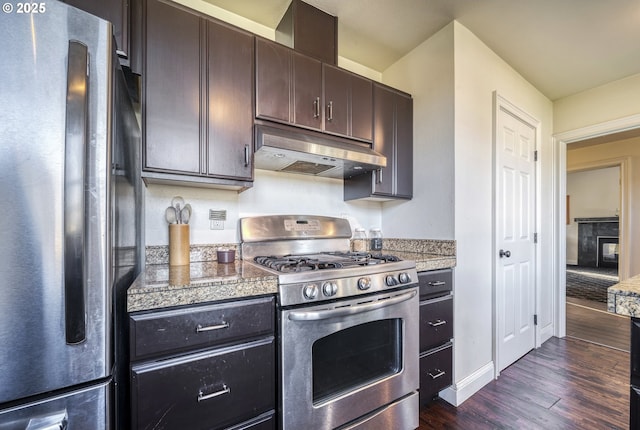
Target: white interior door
x,y
514,258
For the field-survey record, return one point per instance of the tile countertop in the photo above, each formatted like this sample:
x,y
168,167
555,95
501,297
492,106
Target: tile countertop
x,y
161,285
624,298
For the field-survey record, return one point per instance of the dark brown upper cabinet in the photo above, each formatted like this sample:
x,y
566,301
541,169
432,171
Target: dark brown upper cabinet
x,y
117,13
348,103
296,89
198,96
393,138
310,31
288,85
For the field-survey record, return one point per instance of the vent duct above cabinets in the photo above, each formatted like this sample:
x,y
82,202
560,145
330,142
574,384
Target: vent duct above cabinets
x,y
285,149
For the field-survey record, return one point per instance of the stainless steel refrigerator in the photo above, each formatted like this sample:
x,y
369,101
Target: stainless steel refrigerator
x,y
70,209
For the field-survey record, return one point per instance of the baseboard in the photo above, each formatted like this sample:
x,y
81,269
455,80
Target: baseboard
x,y
461,391
572,262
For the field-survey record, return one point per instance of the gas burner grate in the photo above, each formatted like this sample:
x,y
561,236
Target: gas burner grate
x,y
287,264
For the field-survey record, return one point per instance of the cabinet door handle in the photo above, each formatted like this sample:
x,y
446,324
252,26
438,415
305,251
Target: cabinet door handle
x,y
379,176
246,155
316,107
330,111
437,323
437,375
200,328
436,283
202,396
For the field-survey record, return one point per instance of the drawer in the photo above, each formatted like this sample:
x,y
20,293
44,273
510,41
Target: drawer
x,y
208,390
173,331
435,283
435,372
436,322
263,422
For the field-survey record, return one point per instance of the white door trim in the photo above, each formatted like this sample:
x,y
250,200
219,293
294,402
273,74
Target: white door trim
x,y
501,103
559,260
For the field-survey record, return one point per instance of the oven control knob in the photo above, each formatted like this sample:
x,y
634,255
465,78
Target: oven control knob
x,y
364,283
404,278
391,281
330,289
310,291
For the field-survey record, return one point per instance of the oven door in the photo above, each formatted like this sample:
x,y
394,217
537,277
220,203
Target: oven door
x,y
346,360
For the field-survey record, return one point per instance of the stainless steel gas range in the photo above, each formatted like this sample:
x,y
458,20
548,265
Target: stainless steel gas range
x,y
348,325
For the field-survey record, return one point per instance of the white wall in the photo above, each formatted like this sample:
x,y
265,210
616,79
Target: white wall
x,y
592,193
618,99
427,73
272,193
480,72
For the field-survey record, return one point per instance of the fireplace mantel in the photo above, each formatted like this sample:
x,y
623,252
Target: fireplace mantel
x,y
597,219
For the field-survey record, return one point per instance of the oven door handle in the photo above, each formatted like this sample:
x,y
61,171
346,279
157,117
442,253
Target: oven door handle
x,y
350,310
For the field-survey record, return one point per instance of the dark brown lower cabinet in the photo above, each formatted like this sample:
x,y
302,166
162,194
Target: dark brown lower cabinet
x,y
211,389
436,332
225,381
436,368
634,401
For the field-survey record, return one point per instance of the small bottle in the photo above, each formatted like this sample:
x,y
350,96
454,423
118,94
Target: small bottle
x,y
375,239
359,240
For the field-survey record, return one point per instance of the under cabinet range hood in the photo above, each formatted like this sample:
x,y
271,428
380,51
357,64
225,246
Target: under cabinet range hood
x,y
288,150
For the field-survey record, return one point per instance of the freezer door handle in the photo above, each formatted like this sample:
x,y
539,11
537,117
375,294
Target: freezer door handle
x,y
74,191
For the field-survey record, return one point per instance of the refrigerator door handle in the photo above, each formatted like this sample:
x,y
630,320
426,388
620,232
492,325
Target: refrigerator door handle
x,y
57,421
74,191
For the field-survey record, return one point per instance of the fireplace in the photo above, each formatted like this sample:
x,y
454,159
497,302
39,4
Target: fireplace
x,y
598,242
607,251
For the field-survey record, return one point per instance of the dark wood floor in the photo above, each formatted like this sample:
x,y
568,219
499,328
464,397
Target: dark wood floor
x,y
590,321
565,384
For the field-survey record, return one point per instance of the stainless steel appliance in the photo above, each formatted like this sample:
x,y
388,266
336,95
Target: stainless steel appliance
x,y
348,325
70,216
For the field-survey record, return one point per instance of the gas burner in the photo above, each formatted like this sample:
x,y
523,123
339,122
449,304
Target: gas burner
x,y
292,264
366,257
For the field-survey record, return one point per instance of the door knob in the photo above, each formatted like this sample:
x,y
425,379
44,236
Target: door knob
x,y
504,253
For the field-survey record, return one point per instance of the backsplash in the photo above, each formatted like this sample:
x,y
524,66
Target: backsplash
x,y
199,253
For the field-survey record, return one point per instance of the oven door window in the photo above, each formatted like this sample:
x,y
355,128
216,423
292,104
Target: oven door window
x,y
356,356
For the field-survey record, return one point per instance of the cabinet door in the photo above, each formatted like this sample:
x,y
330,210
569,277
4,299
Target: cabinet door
x,y
404,146
307,90
230,100
383,138
273,81
436,368
436,322
210,390
361,107
337,91
172,89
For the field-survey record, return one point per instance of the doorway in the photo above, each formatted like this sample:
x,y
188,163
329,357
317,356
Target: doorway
x,y
624,128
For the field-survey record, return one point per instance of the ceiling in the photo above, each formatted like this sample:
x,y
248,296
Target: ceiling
x,y
562,47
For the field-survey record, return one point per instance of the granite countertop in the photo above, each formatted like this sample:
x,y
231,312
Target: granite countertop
x,y
161,285
624,297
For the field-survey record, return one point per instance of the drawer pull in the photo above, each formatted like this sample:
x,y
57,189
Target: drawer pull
x,y
437,375
200,328
202,396
436,283
437,323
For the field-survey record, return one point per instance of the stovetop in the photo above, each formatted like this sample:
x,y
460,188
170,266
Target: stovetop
x,y
323,261
311,257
